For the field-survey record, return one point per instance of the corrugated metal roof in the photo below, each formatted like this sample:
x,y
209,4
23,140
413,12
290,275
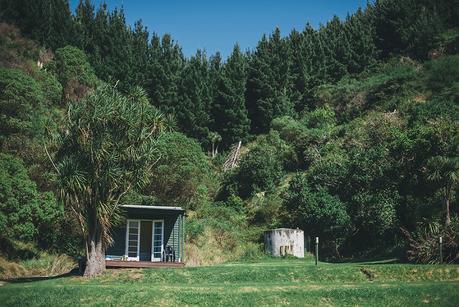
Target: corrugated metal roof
x,y
283,229
153,207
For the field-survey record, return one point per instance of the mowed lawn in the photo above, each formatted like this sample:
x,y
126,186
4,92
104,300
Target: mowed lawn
x,y
268,282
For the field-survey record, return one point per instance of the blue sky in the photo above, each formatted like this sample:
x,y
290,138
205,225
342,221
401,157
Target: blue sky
x,y
216,25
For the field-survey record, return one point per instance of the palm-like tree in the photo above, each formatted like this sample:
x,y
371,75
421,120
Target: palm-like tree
x,y
445,171
106,149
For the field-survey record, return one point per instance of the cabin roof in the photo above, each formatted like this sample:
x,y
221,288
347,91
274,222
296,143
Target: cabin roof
x,y
165,208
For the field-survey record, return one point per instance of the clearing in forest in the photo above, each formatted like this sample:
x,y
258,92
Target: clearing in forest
x,y
265,282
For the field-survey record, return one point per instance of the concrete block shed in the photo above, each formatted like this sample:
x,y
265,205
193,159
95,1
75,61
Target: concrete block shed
x,y
283,241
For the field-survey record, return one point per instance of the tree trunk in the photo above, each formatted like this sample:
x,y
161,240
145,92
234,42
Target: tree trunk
x,y
448,216
95,257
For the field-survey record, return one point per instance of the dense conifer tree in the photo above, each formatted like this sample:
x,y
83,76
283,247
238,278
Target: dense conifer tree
x,y
195,96
165,64
216,69
268,84
230,113
47,21
359,34
85,26
140,55
407,27
336,48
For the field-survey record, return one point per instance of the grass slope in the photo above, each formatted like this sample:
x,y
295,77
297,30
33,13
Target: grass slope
x,y
268,282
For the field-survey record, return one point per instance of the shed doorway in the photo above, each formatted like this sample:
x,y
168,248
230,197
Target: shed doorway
x,y
145,240
146,235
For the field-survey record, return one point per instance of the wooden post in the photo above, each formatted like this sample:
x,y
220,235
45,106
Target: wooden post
x,y
317,250
441,250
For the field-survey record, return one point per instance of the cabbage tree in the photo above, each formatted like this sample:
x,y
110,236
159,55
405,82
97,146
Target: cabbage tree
x,y
106,149
445,172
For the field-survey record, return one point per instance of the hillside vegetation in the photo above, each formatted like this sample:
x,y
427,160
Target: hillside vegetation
x,y
349,130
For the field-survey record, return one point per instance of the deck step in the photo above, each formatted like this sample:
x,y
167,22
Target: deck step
x,y
142,264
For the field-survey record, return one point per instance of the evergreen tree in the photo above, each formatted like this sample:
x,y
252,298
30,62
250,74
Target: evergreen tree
x,y
314,68
140,54
268,85
335,46
85,26
306,64
165,64
408,27
118,61
298,69
216,69
195,96
230,113
47,21
360,36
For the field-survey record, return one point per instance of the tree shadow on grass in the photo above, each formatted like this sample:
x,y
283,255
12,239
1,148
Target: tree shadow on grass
x,y
18,280
368,261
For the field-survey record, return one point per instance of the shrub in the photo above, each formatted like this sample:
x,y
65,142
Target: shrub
x,y
251,251
424,246
51,87
23,210
442,72
183,172
21,99
265,209
384,90
194,228
317,212
262,168
73,71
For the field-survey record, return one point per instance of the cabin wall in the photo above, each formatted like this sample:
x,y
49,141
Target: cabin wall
x,y
173,232
118,247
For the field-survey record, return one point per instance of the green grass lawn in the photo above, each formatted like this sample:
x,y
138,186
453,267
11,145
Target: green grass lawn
x,y
267,282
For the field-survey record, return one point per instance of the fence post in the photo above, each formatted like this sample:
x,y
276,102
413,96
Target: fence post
x,y
317,249
441,250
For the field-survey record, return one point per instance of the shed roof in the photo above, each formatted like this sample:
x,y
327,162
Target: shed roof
x,y
166,208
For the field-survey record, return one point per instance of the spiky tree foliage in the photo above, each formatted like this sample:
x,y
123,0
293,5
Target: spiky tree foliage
x,y
106,149
445,171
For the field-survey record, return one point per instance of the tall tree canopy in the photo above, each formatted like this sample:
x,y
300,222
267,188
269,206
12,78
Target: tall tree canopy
x,y
229,110
268,83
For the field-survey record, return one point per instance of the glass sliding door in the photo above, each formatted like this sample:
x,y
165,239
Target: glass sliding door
x,y
158,238
132,239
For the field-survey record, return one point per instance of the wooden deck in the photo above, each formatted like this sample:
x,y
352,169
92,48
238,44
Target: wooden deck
x,y
142,264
